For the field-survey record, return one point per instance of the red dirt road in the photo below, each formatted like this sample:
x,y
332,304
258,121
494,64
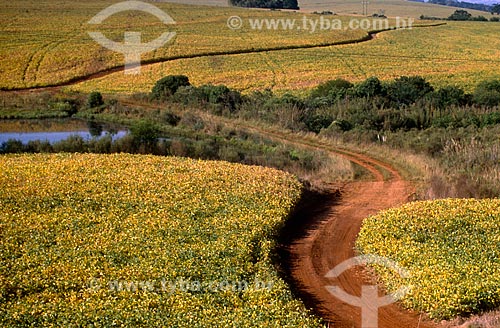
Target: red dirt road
x,y
331,241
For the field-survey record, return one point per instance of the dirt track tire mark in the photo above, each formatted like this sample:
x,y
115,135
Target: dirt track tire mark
x,y
31,62
330,235
331,242
329,239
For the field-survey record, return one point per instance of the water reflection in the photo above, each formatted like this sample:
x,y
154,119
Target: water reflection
x,y
56,130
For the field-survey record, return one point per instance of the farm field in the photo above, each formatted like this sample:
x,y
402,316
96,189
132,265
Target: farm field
x,y
451,54
161,241
450,247
127,239
46,42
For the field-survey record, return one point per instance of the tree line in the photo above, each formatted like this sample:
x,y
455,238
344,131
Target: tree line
x,y
273,4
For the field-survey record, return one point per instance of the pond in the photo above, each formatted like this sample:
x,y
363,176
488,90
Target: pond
x,y
56,130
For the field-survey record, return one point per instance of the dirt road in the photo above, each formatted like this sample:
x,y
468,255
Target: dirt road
x,y
329,240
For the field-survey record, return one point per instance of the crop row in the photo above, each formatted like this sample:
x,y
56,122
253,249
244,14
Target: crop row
x,y
453,54
47,42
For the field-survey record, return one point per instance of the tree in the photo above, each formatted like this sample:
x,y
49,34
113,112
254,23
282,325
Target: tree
x,y
290,4
273,4
407,90
495,9
95,100
460,15
487,93
168,86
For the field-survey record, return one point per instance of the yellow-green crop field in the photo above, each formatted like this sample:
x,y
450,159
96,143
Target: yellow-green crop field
x,y
451,249
459,53
46,42
129,240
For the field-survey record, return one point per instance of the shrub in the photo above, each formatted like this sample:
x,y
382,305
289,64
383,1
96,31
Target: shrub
x,y
369,88
168,86
406,90
11,146
145,133
341,125
460,15
95,100
448,96
487,93
334,89
273,4
69,106
221,95
480,19
189,95
171,119
317,122
73,144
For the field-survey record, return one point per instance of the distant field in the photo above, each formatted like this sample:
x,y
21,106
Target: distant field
x,y
461,53
391,8
46,42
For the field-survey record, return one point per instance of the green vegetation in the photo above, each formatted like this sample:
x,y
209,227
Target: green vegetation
x,y
464,4
95,100
450,248
218,93
183,132
457,128
274,4
168,86
496,9
38,106
391,8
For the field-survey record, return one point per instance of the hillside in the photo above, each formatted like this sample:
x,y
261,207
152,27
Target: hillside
x,y
57,47
391,8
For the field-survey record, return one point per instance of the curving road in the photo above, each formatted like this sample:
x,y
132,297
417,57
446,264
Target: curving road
x,y
324,236
327,234
332,241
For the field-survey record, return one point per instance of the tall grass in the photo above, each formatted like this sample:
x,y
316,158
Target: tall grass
x,y
475,166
